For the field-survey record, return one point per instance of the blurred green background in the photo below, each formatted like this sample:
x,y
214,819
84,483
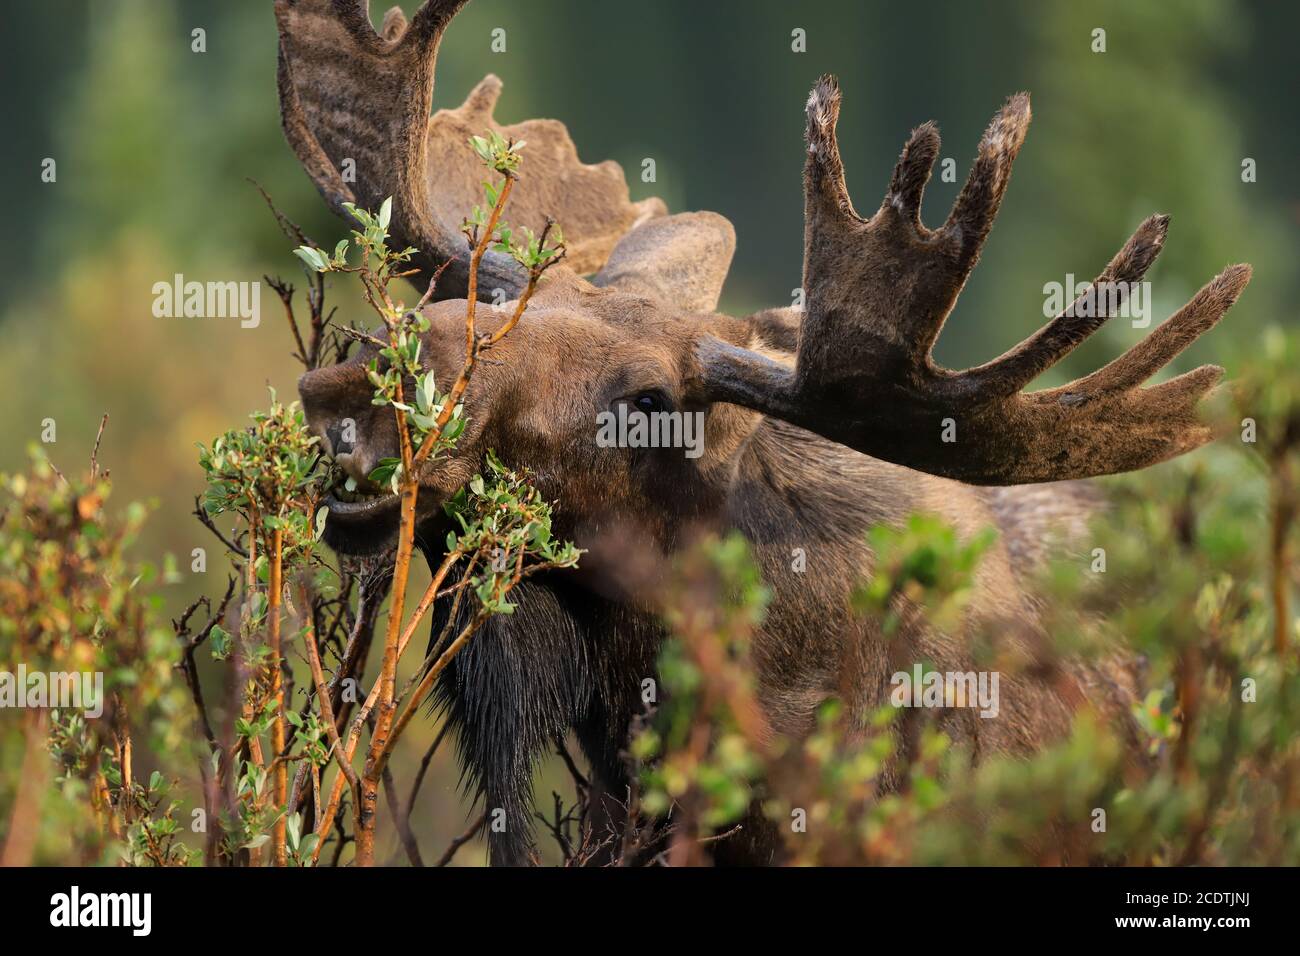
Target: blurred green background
x,y
154,144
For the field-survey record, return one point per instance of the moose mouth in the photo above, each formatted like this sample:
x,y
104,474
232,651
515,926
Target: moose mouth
x,y
366,519
360,504
361,522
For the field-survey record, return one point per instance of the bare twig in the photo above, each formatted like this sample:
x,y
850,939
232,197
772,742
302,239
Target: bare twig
x,y
94,454
461,840
424,766
207,522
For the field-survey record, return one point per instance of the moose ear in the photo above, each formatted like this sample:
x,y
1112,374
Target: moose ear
x,y
680,260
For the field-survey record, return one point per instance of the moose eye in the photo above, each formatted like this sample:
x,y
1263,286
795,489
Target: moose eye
x,y
649,402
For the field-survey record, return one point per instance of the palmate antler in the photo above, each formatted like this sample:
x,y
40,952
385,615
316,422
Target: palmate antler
x,y
877,292
357,101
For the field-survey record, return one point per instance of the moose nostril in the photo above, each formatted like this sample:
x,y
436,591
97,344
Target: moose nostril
x,y
328,395
340,441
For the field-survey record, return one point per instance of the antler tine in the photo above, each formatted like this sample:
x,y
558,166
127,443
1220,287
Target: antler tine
x,y
824,170
393,26
427,26
1015,369
844,294
1172,336
352,96
356,105
877,293
846,257
1178,398
354,15
432,18
977,205
912,172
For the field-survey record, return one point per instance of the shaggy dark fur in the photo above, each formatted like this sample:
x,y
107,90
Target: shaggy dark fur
x,y
777,391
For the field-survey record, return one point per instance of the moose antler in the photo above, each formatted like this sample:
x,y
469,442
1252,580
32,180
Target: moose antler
x,y
877,292
355,108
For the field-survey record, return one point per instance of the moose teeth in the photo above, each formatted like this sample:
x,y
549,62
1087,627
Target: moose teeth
x,y
342,494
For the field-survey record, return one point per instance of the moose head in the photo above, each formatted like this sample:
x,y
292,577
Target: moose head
x,y
855,366
815,421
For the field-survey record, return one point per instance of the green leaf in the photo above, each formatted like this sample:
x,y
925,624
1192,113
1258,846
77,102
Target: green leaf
x,y
313,257
220,640
385,470
308,846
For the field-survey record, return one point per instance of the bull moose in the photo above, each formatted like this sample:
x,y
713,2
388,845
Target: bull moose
x,y
818,422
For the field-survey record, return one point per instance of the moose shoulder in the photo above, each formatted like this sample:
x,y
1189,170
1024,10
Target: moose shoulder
x,y
814,426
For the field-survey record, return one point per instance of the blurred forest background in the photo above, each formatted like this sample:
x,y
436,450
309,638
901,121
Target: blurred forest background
x,y
155,143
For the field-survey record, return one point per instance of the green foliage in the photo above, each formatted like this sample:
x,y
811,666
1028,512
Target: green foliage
x,y
700,749
271,475
1197,583
497,154
422,417
153,838
921,563
505,521
370,241
398,359
530,250
533,252
73,602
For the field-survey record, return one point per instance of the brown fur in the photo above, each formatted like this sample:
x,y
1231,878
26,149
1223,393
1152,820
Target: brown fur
x,y
878,292
578,350
818,425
